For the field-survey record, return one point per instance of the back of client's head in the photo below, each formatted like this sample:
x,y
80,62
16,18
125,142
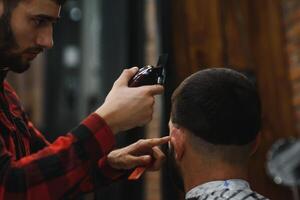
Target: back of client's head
x,y
220,108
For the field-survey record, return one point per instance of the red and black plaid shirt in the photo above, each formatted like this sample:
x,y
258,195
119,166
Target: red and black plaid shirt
x,y
32,168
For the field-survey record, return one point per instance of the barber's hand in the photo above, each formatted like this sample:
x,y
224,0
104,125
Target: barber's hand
x,y
143,153
128,107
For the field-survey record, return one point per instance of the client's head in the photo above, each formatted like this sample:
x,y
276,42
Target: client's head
x,y
214,123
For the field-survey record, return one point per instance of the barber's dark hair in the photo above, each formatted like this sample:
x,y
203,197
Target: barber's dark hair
x,y
221,106
61,2
11,4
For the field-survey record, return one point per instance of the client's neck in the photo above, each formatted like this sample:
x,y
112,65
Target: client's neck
x,y
196,173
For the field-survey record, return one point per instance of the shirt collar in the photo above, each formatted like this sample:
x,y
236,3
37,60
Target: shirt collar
x,y
232,184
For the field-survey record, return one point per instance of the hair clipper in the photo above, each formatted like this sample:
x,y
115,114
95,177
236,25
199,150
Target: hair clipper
x,y
151,75
148,75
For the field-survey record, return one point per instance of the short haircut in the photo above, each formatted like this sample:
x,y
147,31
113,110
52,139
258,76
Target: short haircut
x,y
219,105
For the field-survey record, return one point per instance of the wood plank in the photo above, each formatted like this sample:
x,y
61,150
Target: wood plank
x,y
199,42
267,41
294,74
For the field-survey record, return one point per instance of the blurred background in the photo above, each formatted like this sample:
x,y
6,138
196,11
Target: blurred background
x,y
96,39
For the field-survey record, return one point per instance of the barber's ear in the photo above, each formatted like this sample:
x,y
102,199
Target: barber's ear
x,y
178,141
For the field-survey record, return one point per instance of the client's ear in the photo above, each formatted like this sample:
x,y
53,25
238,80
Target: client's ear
x,y
178,141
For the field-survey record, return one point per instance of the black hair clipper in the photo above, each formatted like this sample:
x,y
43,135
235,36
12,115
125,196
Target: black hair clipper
x,y
150,75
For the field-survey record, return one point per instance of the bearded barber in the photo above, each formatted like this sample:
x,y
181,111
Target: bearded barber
x,y
31,167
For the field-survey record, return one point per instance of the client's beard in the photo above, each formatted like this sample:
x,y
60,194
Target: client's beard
x,y
173,170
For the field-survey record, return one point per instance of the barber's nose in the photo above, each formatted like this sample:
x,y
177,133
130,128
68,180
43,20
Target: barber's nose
x,y
45,38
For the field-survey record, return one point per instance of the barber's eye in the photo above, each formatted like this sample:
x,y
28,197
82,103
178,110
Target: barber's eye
x,y
40,22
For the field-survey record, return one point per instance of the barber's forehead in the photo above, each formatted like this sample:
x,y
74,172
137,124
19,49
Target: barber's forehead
x,y
35,1
42,7
41,3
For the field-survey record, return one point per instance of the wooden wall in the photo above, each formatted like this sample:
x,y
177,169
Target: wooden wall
x,y
246,35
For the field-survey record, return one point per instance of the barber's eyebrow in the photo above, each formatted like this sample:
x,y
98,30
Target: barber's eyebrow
x,y
47,17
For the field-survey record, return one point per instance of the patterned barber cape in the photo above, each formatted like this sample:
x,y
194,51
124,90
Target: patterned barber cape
x,y
234,189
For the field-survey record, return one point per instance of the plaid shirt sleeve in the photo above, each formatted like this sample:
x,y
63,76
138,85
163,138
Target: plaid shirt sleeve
x,y
60,170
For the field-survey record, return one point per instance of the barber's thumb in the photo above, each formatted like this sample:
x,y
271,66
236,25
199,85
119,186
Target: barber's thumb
x,y
138,161
126,75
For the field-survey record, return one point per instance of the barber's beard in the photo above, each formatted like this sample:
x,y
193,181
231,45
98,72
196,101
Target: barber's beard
x,y
14,62
8,60
173,170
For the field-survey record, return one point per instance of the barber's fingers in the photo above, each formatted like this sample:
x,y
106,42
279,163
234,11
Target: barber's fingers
x,y
128,74
142,153
153,162
158,158
158,141
146,145
136,161
154,89
125,77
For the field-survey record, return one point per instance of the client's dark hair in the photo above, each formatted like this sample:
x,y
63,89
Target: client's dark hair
x,y
221,106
